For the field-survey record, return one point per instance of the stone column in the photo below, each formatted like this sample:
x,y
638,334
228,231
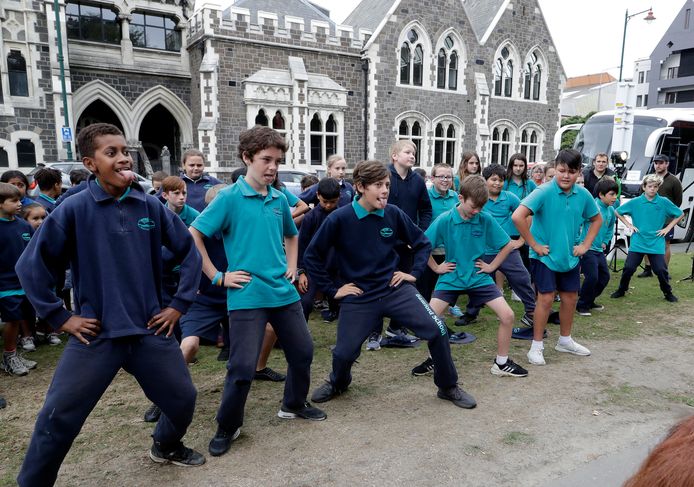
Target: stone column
x,y
126,45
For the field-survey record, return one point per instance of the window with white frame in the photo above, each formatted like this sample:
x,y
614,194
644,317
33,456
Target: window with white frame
x,y
503,73
323,139
447,64
530,144
445,142
412,130
501,145
532,76
4,158
412,59
278,121
26,153
17,73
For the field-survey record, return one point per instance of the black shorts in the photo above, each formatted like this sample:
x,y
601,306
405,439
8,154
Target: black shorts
x,y
16,308
547,281
479,296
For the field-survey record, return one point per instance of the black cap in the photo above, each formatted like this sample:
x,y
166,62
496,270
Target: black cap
x,y
661,157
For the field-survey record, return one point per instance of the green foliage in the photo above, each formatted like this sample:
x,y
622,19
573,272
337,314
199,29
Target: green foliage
x,y
568,138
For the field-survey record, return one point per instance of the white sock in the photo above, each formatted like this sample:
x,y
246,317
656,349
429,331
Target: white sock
x,y
565,340
501,359
537,345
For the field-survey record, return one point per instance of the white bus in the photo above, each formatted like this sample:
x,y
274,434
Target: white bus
x,y
668,131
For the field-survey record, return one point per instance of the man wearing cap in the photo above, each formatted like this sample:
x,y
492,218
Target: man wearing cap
x,y
672,190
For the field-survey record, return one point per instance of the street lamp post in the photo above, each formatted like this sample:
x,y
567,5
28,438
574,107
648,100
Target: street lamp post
x,y
648,18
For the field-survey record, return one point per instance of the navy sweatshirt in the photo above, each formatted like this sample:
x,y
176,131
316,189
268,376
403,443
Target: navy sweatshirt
x,y
114,250
364,250
208,294
70,192
310,196
411,196
197,189
14,237
309,226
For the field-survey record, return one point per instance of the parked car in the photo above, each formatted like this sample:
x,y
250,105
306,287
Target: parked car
x,y
65,167
291,178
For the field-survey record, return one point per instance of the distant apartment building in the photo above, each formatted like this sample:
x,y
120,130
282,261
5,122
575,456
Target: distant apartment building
x,y
588,93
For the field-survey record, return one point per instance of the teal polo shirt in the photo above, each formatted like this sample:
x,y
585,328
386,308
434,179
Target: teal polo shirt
x,y
291,198
361,212
465,242
502,210
441,203
253,228
649,217
521,192
606,229
188,214
557,221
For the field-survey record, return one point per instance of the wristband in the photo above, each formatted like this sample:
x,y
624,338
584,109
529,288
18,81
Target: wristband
x,y
300,272
218,279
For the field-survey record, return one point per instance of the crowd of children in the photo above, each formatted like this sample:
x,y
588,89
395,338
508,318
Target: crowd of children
x,y
203,259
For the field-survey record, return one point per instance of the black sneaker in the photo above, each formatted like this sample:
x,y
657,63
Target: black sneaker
x,y
181,456
466,319
509,369
221,442
328,316
3,403
325,392
554,318
269,375
152,414
457,396
424,368
583,311
646,272
671,298
304,412
617,294
596,307
223,355
527,320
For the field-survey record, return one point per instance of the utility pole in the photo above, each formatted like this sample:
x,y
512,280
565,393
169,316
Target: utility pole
x,y
61,63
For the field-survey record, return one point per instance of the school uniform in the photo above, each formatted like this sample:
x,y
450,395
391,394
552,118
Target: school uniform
x,y
649,216
117,274
14,237
253,227
594,262
310,195
512,267
440,203
70,192
196,189
309,226
465,242
46,201
364,244
557,220
520,190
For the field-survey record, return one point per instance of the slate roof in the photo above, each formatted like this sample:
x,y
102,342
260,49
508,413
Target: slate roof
x,y
294,8
368,14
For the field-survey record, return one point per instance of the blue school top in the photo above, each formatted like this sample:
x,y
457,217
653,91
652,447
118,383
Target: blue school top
x,y
441,203
411,196
521,191
253,228
14,237
310,196
309,226
557,221
46,201
171,267
649,217
502,210
292,199
113,247
209,295
71,191
188,214
197,188
364,244
604,236
465,242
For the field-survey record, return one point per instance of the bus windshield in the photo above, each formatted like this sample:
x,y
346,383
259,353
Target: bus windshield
x,y
596,136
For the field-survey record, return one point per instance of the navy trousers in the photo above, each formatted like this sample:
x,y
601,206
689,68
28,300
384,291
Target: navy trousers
x,y
81,377
597,276
405,304
657,264
518,280
310,295
246,332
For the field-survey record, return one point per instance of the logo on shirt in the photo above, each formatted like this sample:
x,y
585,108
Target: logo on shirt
x,y
145,224
207,186
26,236
476,233
386,232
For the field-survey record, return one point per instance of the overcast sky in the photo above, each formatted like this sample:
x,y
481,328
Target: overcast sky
x,y
586,33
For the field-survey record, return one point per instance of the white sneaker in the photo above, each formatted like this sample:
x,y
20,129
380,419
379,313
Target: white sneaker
x,y
536,357
573,347
514,296
27,344
54,339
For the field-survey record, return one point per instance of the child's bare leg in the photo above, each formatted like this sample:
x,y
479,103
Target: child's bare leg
x,y
566,311
505,314
543,307
26,329
438,305
500,278
10,334
268,342
189,347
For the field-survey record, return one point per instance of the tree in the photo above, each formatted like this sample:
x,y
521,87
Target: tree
x,y
568,138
